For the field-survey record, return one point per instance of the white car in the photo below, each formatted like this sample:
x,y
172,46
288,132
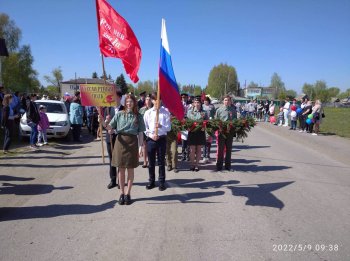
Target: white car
x,y
215,101
58,117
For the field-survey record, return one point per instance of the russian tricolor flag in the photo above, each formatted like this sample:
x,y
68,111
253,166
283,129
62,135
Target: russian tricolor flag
x,y
169,90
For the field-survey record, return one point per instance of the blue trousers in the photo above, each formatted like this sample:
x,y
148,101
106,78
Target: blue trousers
x,y
33,133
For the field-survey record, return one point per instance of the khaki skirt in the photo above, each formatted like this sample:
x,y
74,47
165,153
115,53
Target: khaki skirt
x,y
125,151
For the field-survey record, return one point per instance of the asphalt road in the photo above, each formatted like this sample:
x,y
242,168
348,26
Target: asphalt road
x,y
288,199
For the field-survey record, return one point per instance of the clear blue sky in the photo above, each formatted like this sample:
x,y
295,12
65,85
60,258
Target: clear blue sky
x,y
301,40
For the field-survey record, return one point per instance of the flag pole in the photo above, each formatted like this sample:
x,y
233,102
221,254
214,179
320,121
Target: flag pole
x,y
157,111
100,111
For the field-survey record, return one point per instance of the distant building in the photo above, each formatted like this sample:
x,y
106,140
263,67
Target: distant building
x,y
73,85
258,92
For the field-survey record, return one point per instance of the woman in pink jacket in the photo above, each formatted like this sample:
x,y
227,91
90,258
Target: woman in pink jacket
x,y
42,126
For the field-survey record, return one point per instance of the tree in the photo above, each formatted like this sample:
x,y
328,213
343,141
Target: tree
x,y
189,89
10,32
222,80
94,75
146,86
291,94
334,91
18,74
197,90
277,84
55,79
344,95
308,89
131,88
252,85
52,91
17,71
121,83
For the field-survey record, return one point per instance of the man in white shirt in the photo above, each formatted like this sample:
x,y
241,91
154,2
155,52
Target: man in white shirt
x,y
156,142
286,112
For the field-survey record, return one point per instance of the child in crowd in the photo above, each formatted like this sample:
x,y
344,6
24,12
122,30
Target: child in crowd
x,y
42,126
280,117
293,119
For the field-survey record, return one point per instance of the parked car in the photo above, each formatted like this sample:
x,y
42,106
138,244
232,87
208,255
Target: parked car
x,y
215,101
58,117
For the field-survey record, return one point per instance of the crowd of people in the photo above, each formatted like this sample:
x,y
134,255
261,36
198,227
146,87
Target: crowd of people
x,y
135,130
306,116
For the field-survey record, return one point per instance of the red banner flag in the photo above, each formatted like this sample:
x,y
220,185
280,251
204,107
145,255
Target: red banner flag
x,y
117,39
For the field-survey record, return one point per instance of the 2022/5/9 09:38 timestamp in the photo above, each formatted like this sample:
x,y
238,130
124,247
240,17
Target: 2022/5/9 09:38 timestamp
x,y
305,247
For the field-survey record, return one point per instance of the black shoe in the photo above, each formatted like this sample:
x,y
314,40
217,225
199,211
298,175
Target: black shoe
x,y
218,169
229,169
176,170
127,199
121,199
169,168
150,186
112,184
196,169
192,169
162,187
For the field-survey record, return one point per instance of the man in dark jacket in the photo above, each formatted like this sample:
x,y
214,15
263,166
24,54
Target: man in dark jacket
x,y
33,118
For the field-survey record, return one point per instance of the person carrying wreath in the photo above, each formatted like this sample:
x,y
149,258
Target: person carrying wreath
x,y
196,139
128,124
225,113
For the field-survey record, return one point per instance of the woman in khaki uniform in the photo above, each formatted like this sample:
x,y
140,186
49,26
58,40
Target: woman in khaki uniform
x,y
129,126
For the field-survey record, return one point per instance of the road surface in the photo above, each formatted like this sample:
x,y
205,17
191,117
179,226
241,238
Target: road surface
x,y
288,199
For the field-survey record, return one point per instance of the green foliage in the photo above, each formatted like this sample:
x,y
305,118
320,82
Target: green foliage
x,y
51,91
235,128
282,96
344,95
10,32
220,76
121,83
146,86
291,94
17,71
197,90
94,75
253,85
337,122
319,91
308,89
334,92
277,84
131,88
192,89
55,78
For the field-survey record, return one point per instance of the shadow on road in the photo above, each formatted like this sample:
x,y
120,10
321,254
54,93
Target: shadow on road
x,y
12,178
260,194
293,161
256,168
200,183
29,189
51,157
51,166
17,213
183,198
